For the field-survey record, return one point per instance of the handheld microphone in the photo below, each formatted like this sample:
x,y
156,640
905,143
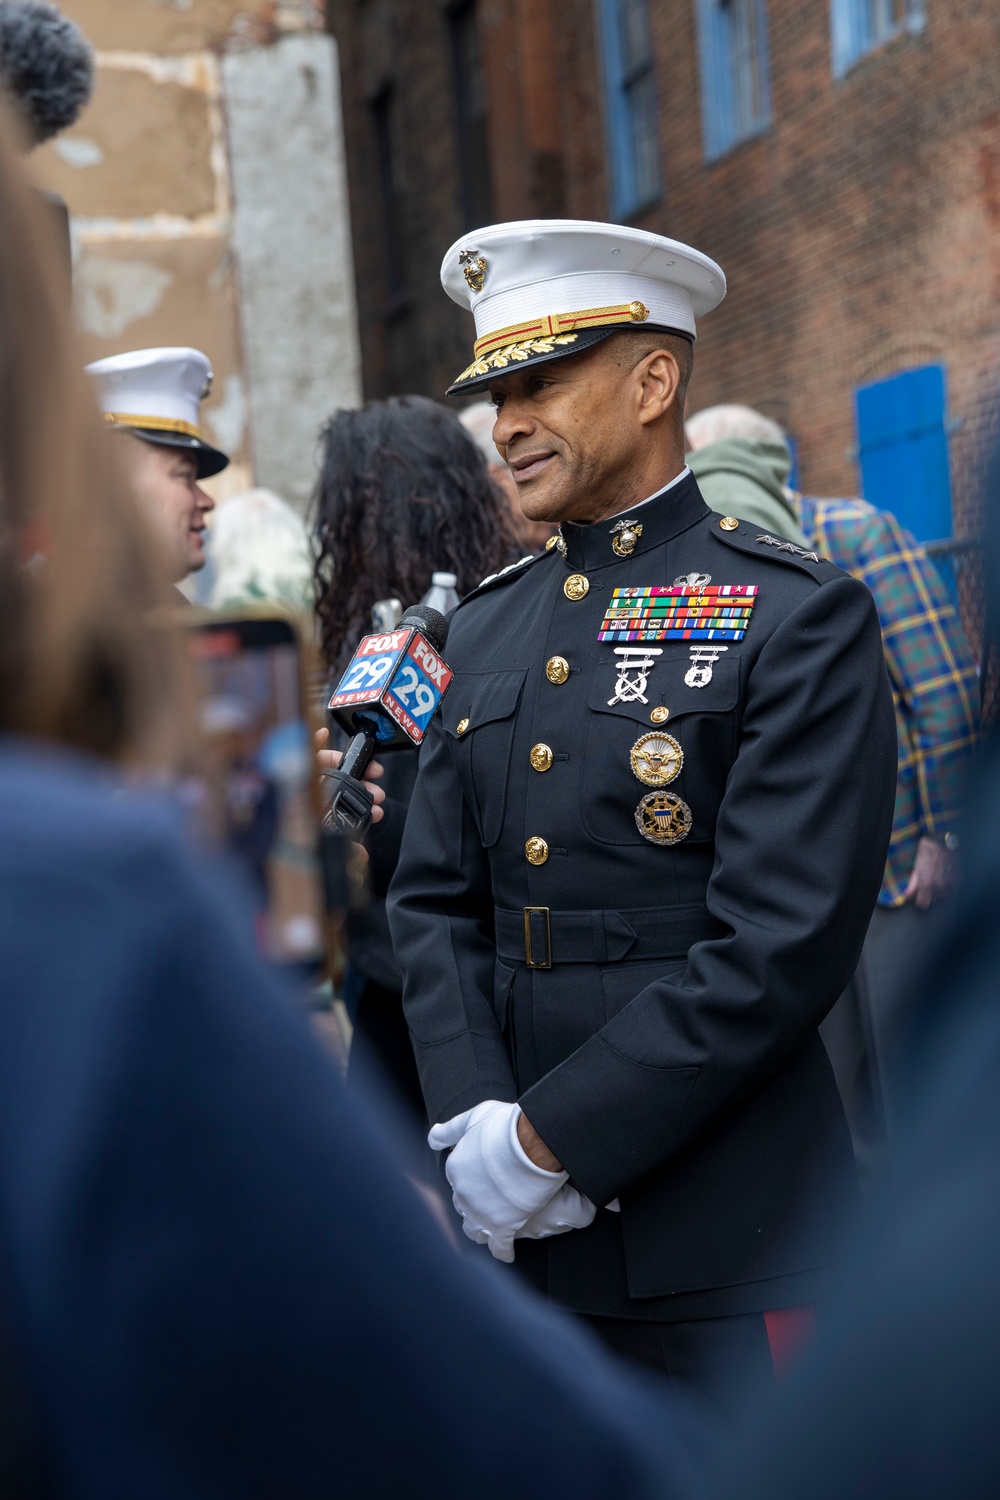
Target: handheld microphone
x,y
385,701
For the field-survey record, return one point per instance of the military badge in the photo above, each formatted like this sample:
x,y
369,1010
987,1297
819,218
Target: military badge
x,y
624,535
634,667
697,581
703,659
682,612
663,818
656,759
473,268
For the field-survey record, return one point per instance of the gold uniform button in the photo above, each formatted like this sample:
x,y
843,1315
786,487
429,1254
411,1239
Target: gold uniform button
x,y
659,715
540,757
577,586
728,523
557,670
536,851
461,726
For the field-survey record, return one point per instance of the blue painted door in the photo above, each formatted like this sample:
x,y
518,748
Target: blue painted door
x,y
903,450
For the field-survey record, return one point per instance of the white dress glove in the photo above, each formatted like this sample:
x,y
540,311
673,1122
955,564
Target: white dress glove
x,y
567,1209
495,1186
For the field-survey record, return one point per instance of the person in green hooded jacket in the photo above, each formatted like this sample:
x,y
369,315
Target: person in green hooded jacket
x,y
741,462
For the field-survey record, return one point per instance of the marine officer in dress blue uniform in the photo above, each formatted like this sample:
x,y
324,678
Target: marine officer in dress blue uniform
x,y
646,839
153,397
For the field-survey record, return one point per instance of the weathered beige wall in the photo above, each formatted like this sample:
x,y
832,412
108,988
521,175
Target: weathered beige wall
x,y
146,174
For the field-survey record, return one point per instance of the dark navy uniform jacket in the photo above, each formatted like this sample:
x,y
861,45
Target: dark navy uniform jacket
x,y
214,1279
669,1056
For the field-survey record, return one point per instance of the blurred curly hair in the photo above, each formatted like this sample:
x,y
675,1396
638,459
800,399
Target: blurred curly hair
x,y
403,492
46,66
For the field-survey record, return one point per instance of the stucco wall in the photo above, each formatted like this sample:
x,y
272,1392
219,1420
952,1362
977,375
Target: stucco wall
x,y
206,187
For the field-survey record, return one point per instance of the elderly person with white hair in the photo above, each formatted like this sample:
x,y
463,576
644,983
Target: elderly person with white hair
x,y
258,553
742,461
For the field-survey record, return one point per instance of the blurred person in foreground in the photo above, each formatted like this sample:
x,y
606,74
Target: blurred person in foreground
x,y
478,419
901,1395
47,76
257,552
402,493
214,1279
152,397
935,691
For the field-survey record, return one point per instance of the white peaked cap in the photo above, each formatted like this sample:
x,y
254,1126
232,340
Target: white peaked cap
x,y
544,288
157,394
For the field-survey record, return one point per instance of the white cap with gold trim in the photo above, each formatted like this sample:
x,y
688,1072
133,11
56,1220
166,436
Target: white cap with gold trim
x,y
157,394
540,289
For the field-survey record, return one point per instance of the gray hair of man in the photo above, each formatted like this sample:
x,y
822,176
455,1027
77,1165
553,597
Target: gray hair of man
x,y
716,423
478,420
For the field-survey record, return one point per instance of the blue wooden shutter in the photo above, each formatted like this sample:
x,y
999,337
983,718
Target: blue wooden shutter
x,y
617,115
715,66
903,450
847,33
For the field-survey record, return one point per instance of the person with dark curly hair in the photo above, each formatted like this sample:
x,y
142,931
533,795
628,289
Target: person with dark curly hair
x,y
403,493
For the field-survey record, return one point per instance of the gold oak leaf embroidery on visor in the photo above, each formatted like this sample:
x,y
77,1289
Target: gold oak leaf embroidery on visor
x,y
501,358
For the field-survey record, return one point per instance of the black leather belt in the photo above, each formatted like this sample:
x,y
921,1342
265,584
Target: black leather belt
x,y
540,938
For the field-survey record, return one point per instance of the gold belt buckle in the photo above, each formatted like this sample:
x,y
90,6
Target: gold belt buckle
x,y
529,959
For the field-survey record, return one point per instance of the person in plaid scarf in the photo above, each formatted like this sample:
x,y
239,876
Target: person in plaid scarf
x,y
935,689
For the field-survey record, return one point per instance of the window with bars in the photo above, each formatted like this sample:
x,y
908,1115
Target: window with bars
x,y
859,26
632,114
735,72
470,116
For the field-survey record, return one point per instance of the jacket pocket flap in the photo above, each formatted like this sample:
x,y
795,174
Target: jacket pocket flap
x,y
477,698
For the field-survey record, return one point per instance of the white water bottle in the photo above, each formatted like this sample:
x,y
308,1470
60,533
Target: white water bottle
x,y
442,594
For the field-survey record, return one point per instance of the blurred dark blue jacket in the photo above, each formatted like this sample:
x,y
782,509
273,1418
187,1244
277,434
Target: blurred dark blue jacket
x,y
215,1280
901,1395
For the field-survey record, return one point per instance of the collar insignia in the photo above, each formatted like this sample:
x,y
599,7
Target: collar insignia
x,y
625,534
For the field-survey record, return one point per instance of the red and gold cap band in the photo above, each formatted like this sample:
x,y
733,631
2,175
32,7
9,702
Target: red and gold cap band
x,y
154,424
558,323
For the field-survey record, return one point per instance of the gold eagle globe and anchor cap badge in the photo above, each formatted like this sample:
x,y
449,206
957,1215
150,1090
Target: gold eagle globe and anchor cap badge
x,y
473,269
656,758
663,818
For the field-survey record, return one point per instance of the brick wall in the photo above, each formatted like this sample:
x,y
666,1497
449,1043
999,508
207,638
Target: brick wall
x,y
860,233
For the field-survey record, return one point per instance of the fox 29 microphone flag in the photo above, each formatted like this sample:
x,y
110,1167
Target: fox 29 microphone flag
x,y
399,675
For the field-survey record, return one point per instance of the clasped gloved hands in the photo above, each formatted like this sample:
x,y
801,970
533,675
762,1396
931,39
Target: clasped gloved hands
x,y
499,1192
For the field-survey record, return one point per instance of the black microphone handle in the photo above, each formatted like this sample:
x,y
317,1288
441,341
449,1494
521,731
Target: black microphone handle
x,y
359,754
350,809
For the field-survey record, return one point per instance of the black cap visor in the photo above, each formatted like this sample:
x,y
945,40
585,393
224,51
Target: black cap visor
x,y
210,460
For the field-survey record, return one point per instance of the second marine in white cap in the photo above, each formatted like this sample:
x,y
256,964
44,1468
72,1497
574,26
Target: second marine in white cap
x,y
153,398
